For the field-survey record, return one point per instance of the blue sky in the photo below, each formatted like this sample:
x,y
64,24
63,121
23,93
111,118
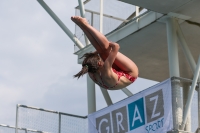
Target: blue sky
x,y
37,63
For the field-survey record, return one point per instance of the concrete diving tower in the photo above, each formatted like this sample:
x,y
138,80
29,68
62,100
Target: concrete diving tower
x,y
164,42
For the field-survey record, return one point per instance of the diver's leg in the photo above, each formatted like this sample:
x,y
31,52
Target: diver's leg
x,y
89,36
99,37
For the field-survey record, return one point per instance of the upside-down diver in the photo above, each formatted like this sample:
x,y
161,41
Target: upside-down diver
x,y
107,67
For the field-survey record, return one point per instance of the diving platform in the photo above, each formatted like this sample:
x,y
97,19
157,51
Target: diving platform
x,y
144,39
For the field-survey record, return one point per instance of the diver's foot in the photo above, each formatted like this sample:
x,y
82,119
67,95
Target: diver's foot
x,y
79,20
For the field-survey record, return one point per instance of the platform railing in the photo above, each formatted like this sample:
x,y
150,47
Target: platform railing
x,y
110,21
11,129
49,121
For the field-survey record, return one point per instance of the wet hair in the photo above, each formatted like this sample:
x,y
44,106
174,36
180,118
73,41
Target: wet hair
x,y
89,64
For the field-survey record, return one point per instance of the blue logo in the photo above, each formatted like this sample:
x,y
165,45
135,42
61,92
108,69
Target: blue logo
x,y
147,110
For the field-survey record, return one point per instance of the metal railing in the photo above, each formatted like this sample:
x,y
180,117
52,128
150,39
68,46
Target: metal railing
x,y
49,121
112,17
11,129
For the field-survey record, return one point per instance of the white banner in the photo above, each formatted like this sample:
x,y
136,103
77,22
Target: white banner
x,y
149,111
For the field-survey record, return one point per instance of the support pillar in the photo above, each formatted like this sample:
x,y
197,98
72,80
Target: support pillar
x,y
185,48
101,17
17,115
137,11
177,106
92,19
198,109
186,88
127,92
91,95
106,96
82,11
172,47
59,122
191,94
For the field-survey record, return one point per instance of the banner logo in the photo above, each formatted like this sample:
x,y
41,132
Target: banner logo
x,y
148,109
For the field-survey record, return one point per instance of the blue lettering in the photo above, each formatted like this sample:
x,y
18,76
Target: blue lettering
x,y
150,127
155,126
159,124
154,129
136,114
147,129
162,121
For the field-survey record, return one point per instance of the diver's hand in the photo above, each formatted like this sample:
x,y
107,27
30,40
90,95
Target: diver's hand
x,y
114,46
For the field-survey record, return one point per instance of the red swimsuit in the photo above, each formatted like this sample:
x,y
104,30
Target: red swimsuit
x,y
119,74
